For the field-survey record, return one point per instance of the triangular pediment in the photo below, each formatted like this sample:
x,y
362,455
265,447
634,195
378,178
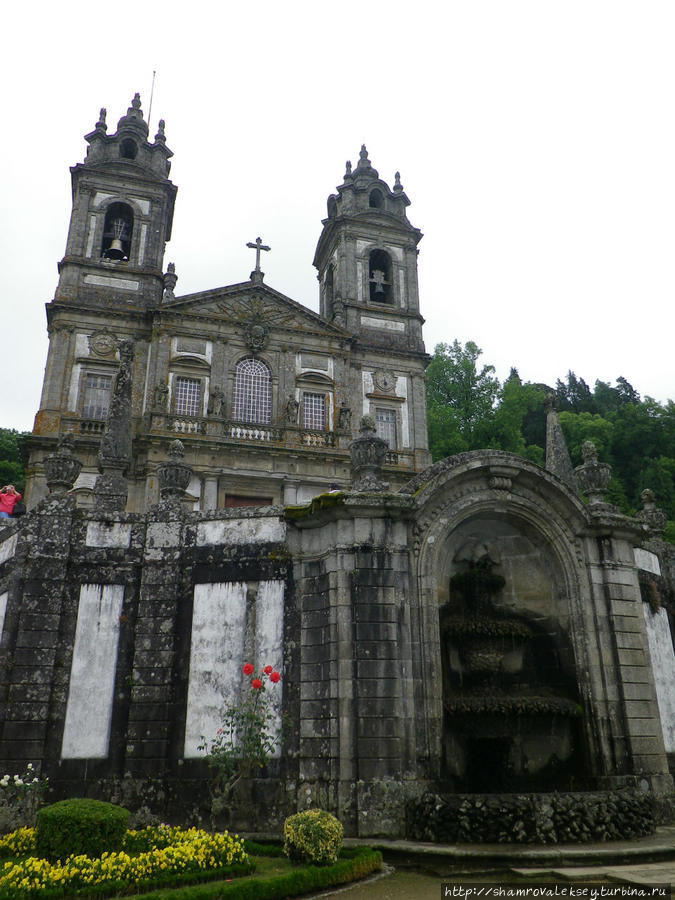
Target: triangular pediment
x,y
245,303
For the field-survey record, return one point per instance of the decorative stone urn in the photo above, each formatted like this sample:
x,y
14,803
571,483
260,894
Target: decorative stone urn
x,y
368,452
62,468
592,477
654,518
174,475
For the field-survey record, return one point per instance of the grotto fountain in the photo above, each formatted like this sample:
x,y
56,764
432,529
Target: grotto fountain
x,y
509,716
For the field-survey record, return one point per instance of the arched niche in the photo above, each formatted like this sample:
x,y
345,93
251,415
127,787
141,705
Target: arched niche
x,y
527,521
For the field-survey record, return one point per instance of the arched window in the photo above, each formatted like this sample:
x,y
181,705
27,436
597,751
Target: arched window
x,y
128,149
117,231
379,277
252,399
375,199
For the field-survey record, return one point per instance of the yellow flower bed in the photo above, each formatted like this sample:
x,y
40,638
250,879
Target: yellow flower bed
x,y
191,850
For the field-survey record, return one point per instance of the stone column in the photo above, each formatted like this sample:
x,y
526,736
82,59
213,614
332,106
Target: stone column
x,y
356,747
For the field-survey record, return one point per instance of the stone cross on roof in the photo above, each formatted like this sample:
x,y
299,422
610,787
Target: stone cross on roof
x,y
257,245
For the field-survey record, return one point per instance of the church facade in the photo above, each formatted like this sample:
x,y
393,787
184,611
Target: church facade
x,y
265,394
228,477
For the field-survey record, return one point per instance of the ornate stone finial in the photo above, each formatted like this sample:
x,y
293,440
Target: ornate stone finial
x,y
160,137
170,279
550,402
592,477
135,105
62,468
654,518
110,489
398,187
557,455
101,125
368,452
174,475
348,170
363,153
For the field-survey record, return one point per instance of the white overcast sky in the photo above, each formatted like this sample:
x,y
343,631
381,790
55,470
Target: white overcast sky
x,y
536,141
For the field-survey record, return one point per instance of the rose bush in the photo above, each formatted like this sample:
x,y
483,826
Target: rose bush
x,y
247,738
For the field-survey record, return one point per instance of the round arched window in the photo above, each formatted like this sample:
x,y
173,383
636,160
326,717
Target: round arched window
x,y
252,400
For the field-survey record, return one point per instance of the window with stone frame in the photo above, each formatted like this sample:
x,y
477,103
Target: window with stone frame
x,y
252,396
96,395
186,395
385,425
314,411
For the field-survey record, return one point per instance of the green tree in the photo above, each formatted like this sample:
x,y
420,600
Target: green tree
x,y
504,431
585,426
11,467
460,398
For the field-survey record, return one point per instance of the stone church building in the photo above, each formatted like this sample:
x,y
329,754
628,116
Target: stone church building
x,y
227,476
264,393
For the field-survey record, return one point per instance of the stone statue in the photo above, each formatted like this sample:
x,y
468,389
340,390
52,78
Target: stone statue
x,y
160,400
345,418
217,402
291,411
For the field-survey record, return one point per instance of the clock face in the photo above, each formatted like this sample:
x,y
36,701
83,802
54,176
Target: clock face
x,y
384,380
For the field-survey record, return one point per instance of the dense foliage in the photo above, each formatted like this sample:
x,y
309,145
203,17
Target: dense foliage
x,y
11,468
468,409
79,826
313,836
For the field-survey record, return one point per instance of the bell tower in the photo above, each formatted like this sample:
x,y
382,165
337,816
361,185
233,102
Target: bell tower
x,y
367,260
122,212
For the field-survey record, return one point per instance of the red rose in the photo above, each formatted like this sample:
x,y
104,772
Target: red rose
x,y
247,669
267,670
274,677
256,684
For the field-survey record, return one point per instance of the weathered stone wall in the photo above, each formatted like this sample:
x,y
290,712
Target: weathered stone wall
x,y
343,595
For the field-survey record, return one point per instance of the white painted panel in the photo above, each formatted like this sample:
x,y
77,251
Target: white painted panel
x,y
86,733
217,646
100,197
240,531
402,391
142,203
269,636
99,534
141,243
74,387
122,284
3,610
8,548
387,324
645,559
663,668
90,236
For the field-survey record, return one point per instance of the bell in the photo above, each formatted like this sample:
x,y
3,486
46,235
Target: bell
x,y
379,287
115,250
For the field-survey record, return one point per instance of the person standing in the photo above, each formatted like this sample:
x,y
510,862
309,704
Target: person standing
x,y
9,496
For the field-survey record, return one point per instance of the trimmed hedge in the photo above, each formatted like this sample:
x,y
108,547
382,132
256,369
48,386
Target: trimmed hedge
x,y
79,826
353,864
313,836
532,818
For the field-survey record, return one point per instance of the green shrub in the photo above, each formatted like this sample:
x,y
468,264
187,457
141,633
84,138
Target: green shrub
x,y
313,836
79,826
